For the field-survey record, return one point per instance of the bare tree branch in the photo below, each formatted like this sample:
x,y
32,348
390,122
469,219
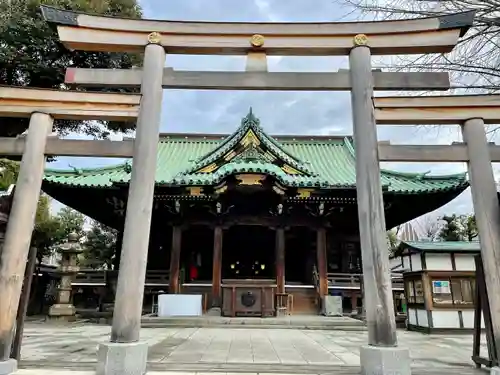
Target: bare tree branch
x,y
475,61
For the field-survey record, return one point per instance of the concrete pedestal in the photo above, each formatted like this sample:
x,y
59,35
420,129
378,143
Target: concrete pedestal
x,y
122,358
62,310
332,306
377,360
8,367
495,371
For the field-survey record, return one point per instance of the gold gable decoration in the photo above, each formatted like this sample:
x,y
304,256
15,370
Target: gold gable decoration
x,y
195,190
250,138
231,154
250,178
221,189
208,169
290,170
304,193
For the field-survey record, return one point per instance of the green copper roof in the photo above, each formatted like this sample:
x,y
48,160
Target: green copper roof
x,y
442,246
326,162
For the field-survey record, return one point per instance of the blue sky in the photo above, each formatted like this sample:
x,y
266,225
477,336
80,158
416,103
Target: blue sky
x,y
280,112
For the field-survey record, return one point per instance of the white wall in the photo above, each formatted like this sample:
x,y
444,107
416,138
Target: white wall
x,y
412,317
445,319
438,262
468,319
423,321
465,262
406,263
416,262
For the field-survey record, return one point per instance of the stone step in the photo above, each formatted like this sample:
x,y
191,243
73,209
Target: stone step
x,y
294,322
60,368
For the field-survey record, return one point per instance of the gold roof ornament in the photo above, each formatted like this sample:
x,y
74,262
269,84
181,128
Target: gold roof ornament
x,y
360,40
154,38
257,40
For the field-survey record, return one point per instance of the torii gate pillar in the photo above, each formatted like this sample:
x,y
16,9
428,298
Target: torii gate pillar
x,y
381,355
125,354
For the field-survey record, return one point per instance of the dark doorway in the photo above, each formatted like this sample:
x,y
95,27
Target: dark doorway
x,y
197,253
248,252
300,255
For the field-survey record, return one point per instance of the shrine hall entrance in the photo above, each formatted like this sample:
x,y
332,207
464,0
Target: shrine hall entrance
x,y
248,252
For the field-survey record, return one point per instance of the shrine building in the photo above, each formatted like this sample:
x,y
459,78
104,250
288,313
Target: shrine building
x,y
250,206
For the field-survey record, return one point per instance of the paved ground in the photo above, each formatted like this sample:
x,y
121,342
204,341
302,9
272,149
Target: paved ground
x,y
238,350
345,371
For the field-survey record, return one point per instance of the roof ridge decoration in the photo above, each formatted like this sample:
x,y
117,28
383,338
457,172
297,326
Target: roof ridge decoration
x,y
246,143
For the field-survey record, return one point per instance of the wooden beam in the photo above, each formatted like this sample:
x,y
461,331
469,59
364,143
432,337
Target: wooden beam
x,y
437,109
217,268
70,105
280,260
279,81
321,258
175,258
71,147
97,33
430,153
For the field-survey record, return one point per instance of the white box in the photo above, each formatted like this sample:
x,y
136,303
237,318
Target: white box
x,y
179,305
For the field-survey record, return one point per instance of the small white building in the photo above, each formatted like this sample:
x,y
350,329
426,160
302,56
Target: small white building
x,y
439,280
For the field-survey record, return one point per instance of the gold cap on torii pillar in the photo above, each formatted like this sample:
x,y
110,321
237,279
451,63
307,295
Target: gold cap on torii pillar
x,y
257,40
154,38
360,40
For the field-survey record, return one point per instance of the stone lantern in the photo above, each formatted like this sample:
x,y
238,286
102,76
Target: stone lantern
x,y
68,269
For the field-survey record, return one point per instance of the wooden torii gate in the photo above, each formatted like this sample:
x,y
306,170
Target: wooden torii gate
x,y
42,107
471,112
359,40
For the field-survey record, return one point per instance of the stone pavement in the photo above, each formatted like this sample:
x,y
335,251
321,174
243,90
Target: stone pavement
x,y
240,350
344,371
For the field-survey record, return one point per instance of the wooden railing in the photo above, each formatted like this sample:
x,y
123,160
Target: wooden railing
x,y
101,278
90,278
353,281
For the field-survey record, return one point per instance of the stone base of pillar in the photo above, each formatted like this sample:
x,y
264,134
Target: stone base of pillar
x,y
8,367
214,311
122,358
377,360
495,371
64,311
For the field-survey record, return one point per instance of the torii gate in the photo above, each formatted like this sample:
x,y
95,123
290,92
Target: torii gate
x,y
125,353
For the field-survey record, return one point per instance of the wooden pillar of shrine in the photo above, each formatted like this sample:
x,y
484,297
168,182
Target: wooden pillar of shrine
x,y
175,258
487,210
280,260
322,261
131,278
217,268
377,280
19,227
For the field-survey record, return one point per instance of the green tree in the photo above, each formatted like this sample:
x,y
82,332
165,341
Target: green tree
x,y
31,55
392,240
9,170
450,231
47,230
468,227
458,228
70,221
99,246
